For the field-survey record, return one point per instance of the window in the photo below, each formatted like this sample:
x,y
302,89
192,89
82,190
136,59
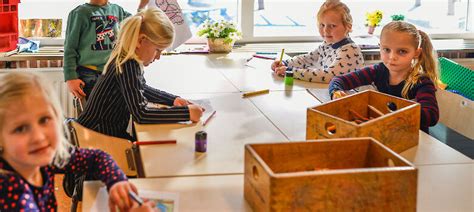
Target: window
x,y
292,20
297,19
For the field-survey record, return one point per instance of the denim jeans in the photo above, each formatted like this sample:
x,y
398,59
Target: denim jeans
x,y
89,77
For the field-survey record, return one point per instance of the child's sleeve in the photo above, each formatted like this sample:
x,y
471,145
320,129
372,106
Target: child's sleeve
x,y
354,79
304,60
425,95
15,195
348,58
132,86
71,45
158,96
96,164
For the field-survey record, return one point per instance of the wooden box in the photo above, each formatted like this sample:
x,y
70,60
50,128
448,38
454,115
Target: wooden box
x,y
396,121
352,174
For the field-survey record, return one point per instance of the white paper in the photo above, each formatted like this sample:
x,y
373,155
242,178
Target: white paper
x,y
175,14
101,201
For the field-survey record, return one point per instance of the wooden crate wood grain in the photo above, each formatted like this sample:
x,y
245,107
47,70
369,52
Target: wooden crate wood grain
x,y
398,129
351,174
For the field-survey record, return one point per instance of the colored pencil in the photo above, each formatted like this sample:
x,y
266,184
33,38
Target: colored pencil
x,y
209,118
254,93
141,143
281,56
135,197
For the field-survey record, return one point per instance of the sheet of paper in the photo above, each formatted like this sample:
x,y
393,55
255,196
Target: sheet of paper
x,y
164,201
175,14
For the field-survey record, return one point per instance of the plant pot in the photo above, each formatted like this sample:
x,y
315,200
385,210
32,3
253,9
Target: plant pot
x,y
217,45
370,30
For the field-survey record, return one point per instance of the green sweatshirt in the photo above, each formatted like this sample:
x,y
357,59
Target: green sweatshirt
x,y
90,36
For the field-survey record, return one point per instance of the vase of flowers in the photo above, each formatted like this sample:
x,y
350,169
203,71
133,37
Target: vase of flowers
x,y
221,35
373,20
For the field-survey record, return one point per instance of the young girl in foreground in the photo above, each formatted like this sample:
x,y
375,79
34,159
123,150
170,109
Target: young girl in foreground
x,y
337,55
33,148
408,70
122,90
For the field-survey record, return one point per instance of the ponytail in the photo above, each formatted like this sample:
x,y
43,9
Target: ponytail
x,y
126,43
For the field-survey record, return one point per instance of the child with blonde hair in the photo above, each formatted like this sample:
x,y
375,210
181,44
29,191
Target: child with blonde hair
x,y
408,69
122,90
337,55
33,148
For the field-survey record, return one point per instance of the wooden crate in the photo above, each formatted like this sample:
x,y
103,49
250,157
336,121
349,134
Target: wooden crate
x,y
397,129
352,174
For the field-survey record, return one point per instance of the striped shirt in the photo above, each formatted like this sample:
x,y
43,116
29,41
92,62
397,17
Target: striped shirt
x,y
422,92
117,96
327,61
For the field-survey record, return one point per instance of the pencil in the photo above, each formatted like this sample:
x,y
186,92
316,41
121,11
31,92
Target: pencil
x,y
264,57
266,53
209,118
281,56
135,197
140,143
254,93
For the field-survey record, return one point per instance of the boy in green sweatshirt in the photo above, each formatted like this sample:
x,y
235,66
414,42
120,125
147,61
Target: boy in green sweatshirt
x,y
92,29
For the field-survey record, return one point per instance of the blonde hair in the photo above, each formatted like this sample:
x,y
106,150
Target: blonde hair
x,y
340,8
16,86
151,22
426,64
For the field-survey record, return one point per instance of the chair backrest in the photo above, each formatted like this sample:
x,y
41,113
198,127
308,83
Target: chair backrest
x,y
120,149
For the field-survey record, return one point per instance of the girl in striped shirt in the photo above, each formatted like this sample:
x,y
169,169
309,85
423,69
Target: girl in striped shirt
x,y
408,70
337,55
122,92
33,148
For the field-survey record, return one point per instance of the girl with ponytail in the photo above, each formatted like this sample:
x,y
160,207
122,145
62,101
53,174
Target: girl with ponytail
x,y
121,91
408,69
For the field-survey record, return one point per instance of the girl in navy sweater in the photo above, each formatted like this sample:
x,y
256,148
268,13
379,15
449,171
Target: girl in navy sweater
x,y
122,91
408,70
33,148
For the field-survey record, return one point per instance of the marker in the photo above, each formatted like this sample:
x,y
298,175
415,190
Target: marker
x,y
140,143
135,197
209,118
281,56
254,93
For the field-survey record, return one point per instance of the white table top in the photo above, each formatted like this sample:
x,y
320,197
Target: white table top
x,y
237,122
440,188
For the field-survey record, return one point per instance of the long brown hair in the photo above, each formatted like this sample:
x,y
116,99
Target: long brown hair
x,y
427,62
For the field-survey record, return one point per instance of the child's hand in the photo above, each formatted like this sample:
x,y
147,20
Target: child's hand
x,y
276,64
338,94
118,196
195,112
75,86
147,206
142,4
280,71
180,102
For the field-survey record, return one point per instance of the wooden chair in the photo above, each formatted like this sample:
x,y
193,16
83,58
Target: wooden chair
x,y
122,151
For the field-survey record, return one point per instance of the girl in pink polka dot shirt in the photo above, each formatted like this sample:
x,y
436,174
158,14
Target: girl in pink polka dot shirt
x,y
33,148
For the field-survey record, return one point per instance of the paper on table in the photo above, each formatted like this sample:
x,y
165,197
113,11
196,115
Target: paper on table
x,y
206,104
164,201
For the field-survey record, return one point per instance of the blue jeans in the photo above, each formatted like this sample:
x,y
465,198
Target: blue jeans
x,y
89,77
